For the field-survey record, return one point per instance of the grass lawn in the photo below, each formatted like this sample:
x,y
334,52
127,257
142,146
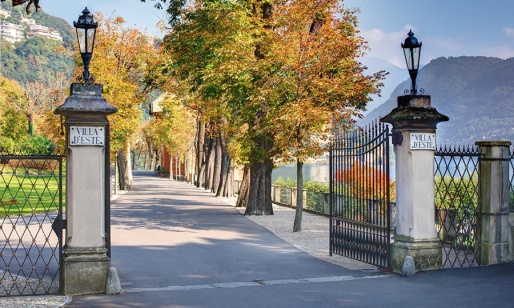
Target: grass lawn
x,y
26,191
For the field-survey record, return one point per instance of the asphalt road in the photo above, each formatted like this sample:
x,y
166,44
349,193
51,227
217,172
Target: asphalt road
x,y
178,246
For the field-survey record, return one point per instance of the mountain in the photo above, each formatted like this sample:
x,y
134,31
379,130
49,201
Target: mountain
x,y
395,76
476,93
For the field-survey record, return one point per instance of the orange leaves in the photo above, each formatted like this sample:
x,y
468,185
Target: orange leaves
x,y
313,74
364,181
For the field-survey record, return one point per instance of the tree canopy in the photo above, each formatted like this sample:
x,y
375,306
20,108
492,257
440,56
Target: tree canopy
x,y
122,57
272,76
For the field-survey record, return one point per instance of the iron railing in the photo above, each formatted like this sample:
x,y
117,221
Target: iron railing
x,y
511,190
313,201
457,204
31,196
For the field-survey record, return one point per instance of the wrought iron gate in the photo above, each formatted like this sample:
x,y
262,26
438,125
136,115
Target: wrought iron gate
x,y
31,196
360,195
457,202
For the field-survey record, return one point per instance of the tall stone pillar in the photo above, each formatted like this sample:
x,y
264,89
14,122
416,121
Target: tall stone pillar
x,y
494,202
414,138
86,262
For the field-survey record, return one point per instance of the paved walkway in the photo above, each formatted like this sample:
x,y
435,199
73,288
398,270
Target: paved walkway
x,y
178,246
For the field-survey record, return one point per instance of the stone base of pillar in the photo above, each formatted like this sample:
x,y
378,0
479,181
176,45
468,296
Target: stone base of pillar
x,y
494,253
511,224
427,254
85,270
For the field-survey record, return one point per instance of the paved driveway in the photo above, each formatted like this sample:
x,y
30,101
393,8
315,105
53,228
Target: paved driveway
x,y
178,246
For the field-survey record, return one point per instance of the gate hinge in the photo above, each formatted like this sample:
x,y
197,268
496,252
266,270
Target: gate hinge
x,y
58,225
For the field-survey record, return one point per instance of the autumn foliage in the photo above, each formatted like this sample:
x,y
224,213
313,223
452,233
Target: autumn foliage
x,y
365,181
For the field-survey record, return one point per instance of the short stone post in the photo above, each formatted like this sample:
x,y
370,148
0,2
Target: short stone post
x,y
494,202
86,263
415,240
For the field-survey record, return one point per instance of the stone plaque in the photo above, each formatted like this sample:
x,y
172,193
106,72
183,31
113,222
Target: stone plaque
x,y
422,141
87,135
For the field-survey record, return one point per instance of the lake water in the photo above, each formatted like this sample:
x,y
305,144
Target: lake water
x,y
318,173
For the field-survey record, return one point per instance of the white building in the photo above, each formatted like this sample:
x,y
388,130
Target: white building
x,y
15,33
38,30
28,21
11,32
4,13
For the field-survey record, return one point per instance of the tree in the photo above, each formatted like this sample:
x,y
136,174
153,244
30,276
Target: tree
x,y
361,181
319,79
211,68
174,128
13,124
121,59
271,73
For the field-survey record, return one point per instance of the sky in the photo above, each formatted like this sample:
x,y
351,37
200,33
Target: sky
x,y
445,27
135,12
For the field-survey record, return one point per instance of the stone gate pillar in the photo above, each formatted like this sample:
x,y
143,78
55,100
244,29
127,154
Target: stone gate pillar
x,y
494,202
414,138
85,262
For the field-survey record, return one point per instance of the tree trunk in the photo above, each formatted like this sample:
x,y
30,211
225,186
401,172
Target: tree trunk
x,y
30,120
259,198
299,197
209,163
217,168
219,165
133,157
226,175
155,159
200,155
244,190
171,167
227,190
177,169
124,168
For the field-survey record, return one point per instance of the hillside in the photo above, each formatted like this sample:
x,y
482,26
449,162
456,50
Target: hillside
x,y
64,27
36,58
477,93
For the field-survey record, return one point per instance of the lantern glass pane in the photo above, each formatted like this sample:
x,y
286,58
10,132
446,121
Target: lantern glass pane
x,y
90,39
81,38
412,57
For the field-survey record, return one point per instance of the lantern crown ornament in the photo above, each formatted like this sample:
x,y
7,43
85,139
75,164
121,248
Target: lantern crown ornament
x,y
86,31
412,52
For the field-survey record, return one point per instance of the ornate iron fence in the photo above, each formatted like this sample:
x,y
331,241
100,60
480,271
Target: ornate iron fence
x,y
31,203
457,205
511,191
359,195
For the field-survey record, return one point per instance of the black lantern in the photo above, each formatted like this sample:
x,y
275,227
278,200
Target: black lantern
x,y
86,31
412,52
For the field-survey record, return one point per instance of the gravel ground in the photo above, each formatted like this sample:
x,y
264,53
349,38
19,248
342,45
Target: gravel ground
x,y
33,301
313,238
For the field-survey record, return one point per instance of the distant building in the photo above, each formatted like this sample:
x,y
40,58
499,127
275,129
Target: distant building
x,y
15,33
11,32
38,30
4,13
28,21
